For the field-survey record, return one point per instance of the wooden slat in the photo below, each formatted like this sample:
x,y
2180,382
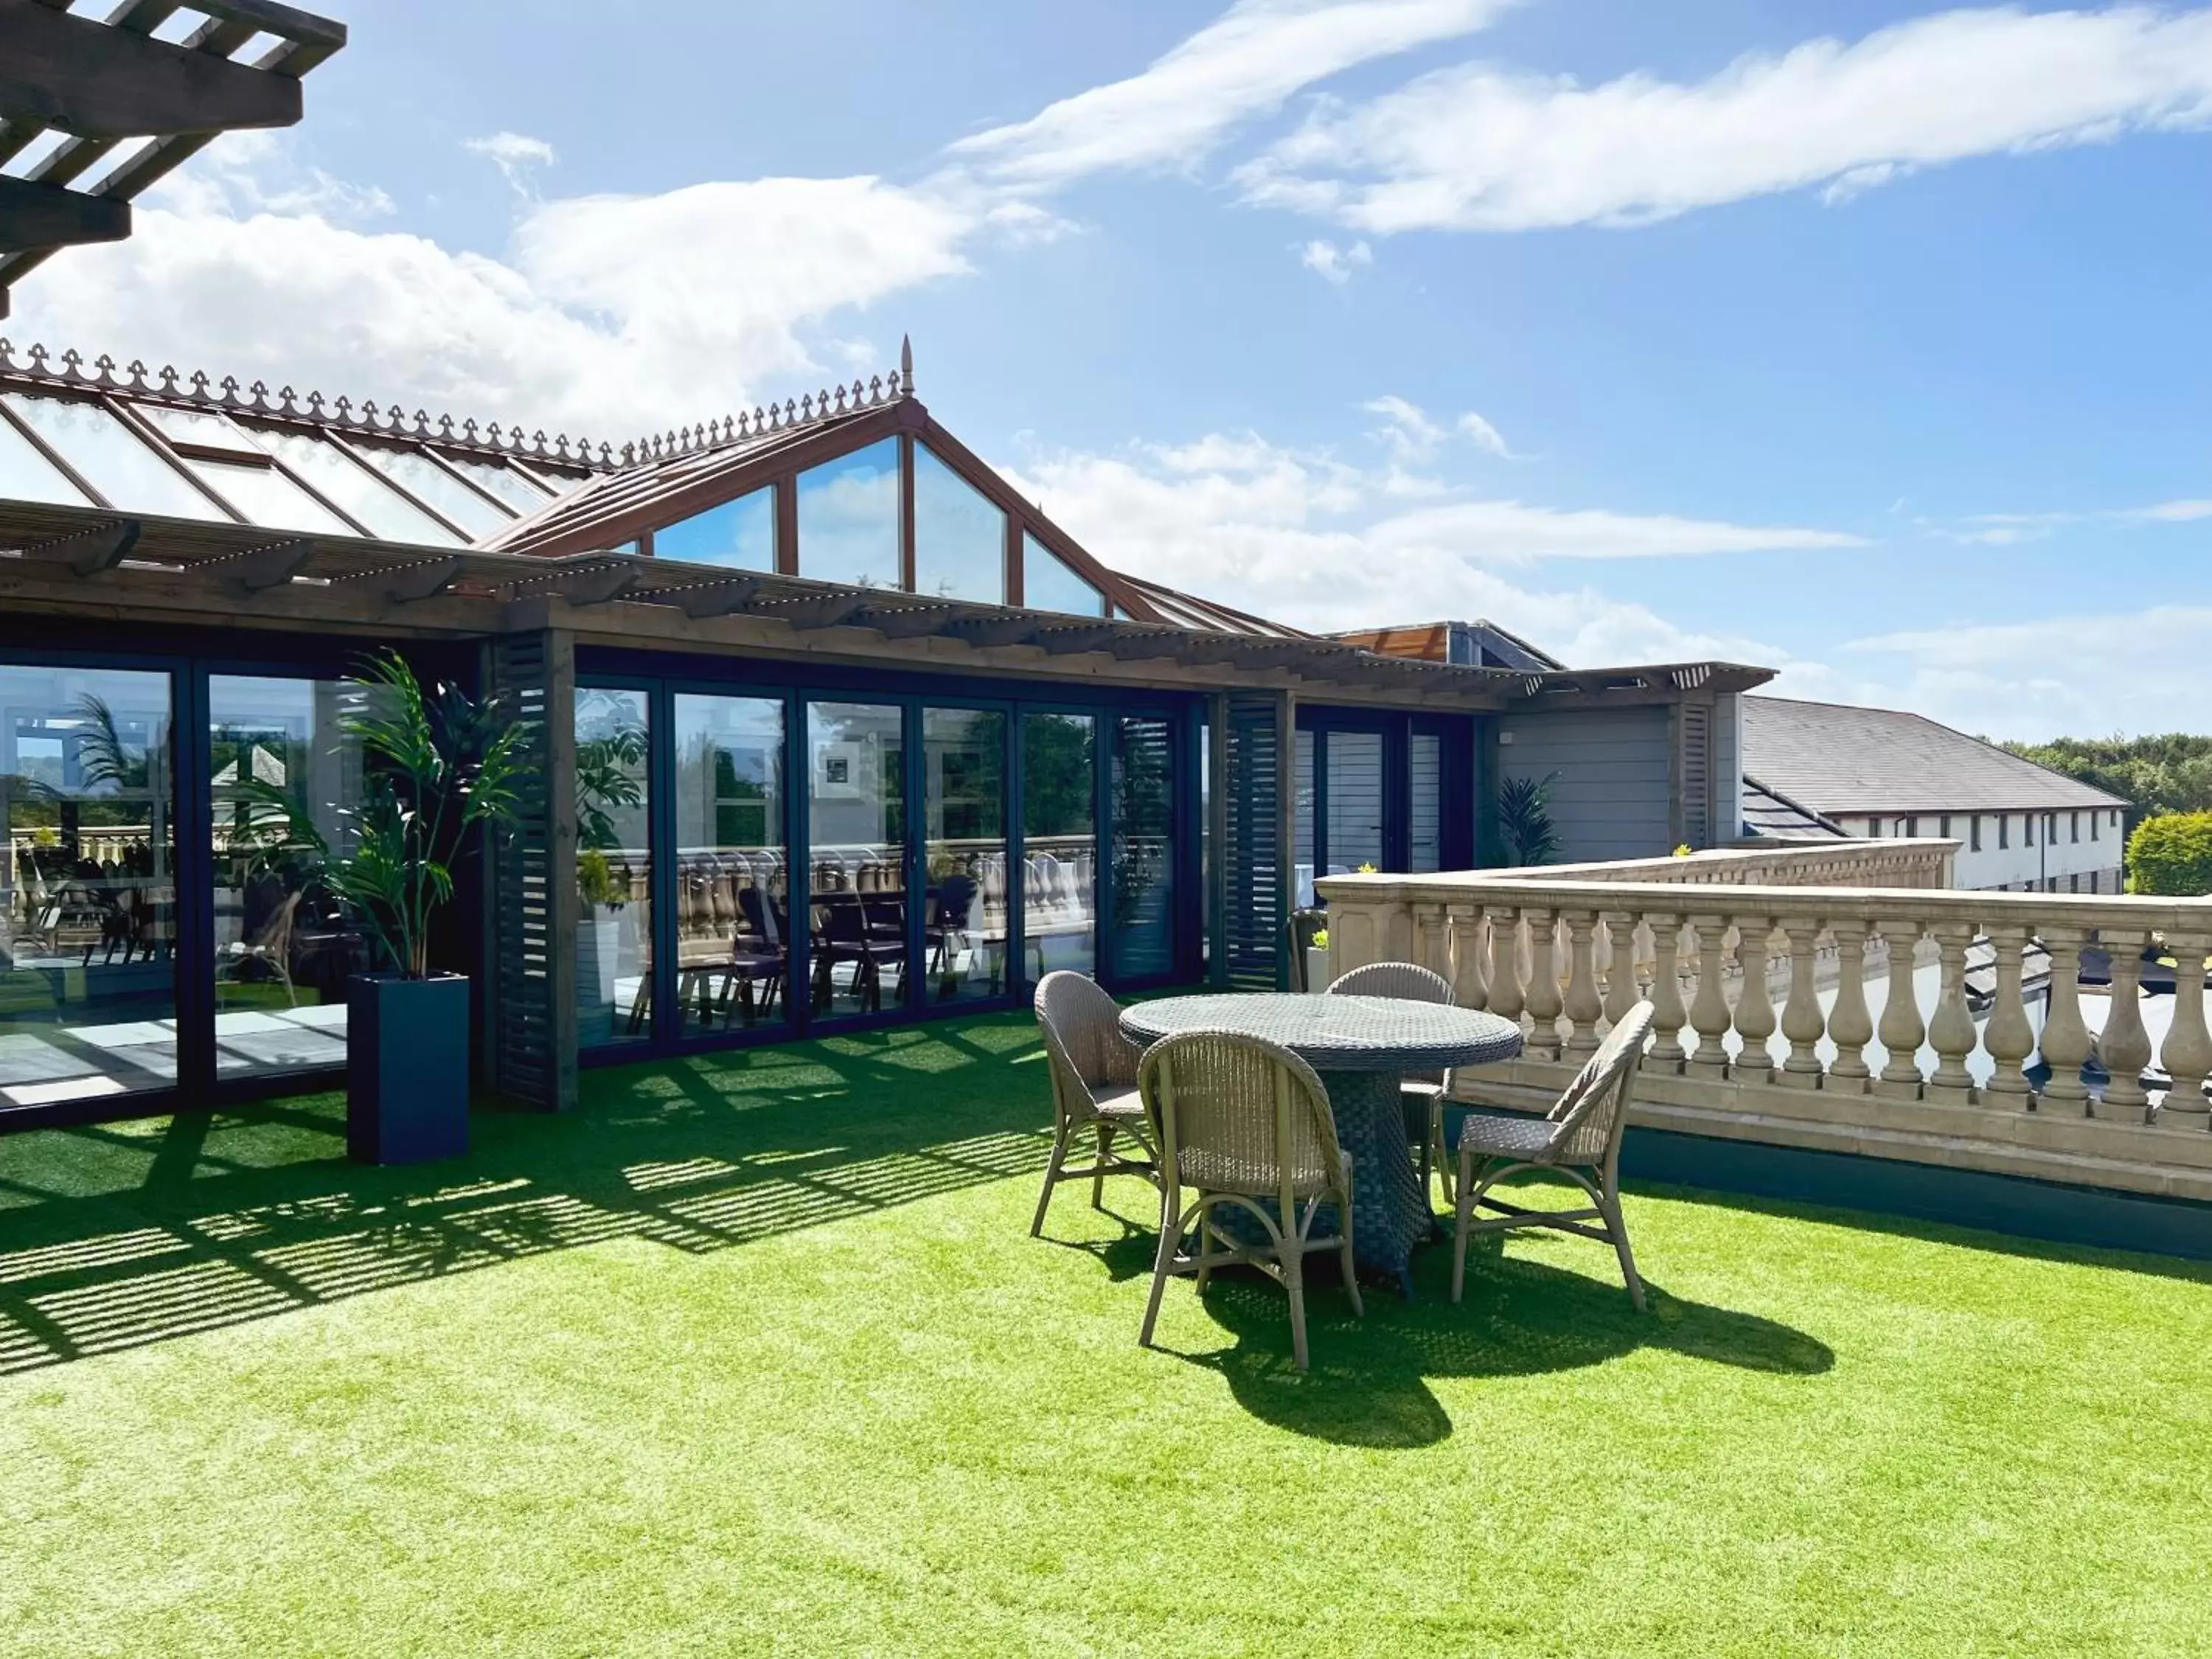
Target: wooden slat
x,y
84,77
533,945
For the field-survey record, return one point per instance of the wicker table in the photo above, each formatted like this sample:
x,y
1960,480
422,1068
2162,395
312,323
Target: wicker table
x,y
1360,1047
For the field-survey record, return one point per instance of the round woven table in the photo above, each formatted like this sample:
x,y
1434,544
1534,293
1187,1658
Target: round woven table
x,y
1360,1047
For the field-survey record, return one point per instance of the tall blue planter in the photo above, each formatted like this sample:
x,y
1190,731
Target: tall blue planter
x,y
407,1068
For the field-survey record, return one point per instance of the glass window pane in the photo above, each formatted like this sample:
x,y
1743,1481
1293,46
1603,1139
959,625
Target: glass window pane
x,y
856,826
964,819
1143,847
267,497
849,518
28,475
733,898
614,869
386,512
1302,822
112,458
88,884
420,476
283,781
1060,843
1426,774
740,534
959,535
197,426
504,482
1355,801
1048,585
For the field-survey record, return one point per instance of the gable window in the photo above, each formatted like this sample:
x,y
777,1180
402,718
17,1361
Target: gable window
x,y
849,518
740,534
959,535
1049,585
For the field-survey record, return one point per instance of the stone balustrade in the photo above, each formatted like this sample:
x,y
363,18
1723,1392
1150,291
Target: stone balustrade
x,y
1918,861
1937,1025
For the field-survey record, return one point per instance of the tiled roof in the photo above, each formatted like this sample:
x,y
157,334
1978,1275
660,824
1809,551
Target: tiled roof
x,y
1770,815
1835,758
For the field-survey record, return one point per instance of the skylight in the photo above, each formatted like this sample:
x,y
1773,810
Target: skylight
x,y
111,458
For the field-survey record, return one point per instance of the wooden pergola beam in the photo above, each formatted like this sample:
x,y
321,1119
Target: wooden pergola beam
x,y
410,584
33,214
93,81
712,599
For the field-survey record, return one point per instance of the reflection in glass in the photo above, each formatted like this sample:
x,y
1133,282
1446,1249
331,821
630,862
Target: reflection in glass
x,y
436,488
88,885
1059,842
1426,774
1144,846
284,951
732,898
740,534
1302,822
505,482
267,497
959,535
1355,801
112,458
1048,585
26,475
614,870
856,829
964,824
849,518
386,512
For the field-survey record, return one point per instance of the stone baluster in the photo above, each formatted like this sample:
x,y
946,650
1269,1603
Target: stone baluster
x,y
1542,996
1621,992
2067,1041
1754,1002
1469,988
1709,1009
2124,1046
1901,1031
1850,1027
1667,1011
1801,1022
1505,961
2188,1051
1429,939
1582,1006
2007,1035
1951,1031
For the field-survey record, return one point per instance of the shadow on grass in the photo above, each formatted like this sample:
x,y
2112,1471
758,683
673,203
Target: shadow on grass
x,y
1520,1316
116,1236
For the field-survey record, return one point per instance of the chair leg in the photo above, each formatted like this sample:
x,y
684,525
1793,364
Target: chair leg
x,y
1618,1227
1162,1260
1344,1255
1462,1218
1208,1241
1098,1178
1294,1281
1437,1151
1051,1175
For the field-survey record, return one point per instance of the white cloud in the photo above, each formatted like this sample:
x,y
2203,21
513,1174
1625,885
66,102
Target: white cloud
x,y
1482,147
2172,513
1243,64
516,155
1408,431
1333,263
2081,674
1485,435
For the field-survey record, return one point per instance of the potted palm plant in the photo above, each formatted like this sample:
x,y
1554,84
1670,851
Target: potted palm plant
x,y
437,766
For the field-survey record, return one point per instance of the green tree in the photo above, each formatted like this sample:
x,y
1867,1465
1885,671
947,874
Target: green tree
x,y
2172,854
2171,773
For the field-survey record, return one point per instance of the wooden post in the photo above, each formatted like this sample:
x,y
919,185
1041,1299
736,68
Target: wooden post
x,y
1218,894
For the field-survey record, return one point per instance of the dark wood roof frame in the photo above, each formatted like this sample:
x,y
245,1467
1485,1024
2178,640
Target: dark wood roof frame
x,y
103,83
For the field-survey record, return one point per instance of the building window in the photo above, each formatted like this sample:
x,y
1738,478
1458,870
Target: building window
x,y
1049,585
849,518
2074,825
2074,884
1944,821
2004,830
614,868
733,898
1974,833
959,535
2027,829
1911,827
1059,842
857,839
740,534
2095,818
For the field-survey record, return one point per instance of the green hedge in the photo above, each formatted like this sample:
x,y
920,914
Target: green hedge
x,y
2172,854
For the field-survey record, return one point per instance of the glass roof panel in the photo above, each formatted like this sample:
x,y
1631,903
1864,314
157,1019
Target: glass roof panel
x,y
740,534
359,491
113,458
959,535
28,475
420,476
504,482
1048,585
196,426
849,518
267,497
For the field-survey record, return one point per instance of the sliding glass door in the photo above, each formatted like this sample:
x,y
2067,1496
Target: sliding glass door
x,y
1143,941
733,891
614,868
857,849
1059,842
965,821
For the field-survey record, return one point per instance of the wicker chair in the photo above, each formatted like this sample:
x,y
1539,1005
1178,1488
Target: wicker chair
x,y
1240,1119
1094,1085
1580,1137
1424,1092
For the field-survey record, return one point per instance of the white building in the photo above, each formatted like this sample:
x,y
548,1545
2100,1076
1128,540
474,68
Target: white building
x,y
1881,772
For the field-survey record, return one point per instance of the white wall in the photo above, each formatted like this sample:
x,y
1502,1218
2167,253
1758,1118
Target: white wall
x,y
2027,860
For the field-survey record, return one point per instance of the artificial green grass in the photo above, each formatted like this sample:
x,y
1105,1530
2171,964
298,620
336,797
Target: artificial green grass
x,y
754,1354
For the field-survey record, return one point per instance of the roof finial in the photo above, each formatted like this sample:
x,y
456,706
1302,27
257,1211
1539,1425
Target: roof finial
x,y
906,365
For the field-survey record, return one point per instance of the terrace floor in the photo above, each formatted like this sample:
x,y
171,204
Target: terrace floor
x,y
753,1354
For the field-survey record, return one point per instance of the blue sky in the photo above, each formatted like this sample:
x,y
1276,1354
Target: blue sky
x,y
1868,341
